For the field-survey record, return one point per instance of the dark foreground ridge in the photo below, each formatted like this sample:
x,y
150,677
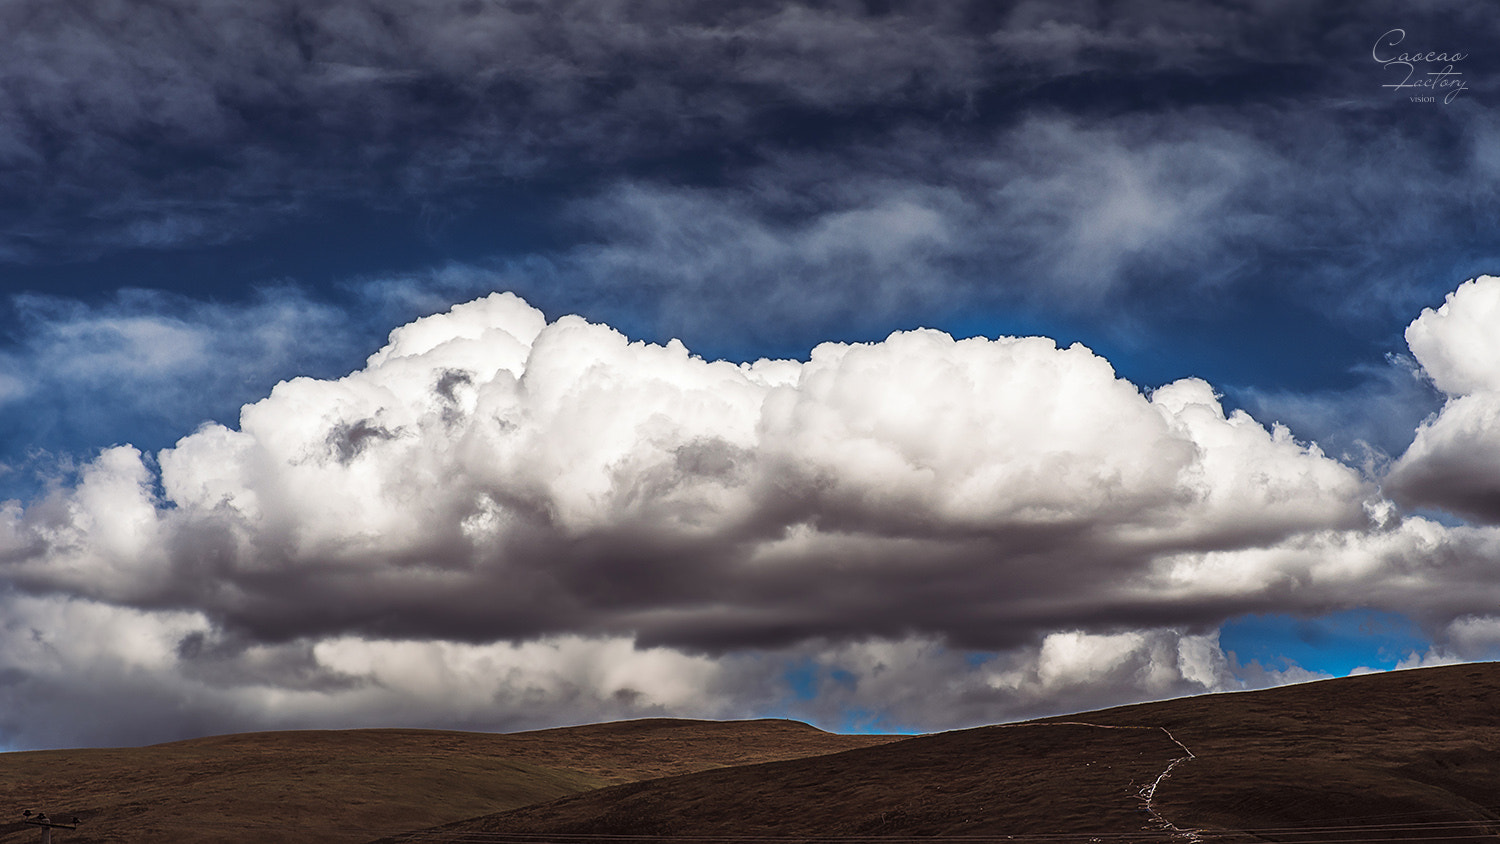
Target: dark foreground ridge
x,y
354,785
1379,758
1410,755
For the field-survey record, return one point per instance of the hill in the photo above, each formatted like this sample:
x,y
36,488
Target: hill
x,y
1381,757
353,785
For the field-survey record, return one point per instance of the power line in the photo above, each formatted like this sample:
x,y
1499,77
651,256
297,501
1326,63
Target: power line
x,y
40,819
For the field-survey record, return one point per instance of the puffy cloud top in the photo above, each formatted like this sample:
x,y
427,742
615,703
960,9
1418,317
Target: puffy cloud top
x,y
1459,343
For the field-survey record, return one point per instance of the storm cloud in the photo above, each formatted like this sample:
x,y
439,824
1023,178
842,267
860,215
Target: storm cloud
x,y
838,141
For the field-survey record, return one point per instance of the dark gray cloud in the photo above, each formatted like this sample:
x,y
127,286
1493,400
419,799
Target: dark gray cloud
x,y
187,123
1238,222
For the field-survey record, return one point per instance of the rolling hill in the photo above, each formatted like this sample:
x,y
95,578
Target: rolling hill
x,y
1374,758
353,785
1411,755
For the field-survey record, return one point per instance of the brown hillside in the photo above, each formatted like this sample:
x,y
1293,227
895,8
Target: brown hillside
x,y
1409,754
1404,755
354,785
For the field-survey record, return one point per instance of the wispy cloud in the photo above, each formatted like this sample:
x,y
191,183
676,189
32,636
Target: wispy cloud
x,y
1121,224
186,123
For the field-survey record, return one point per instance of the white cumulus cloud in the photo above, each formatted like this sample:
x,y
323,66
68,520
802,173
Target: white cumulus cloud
x,y
489,474
1454,462
500,520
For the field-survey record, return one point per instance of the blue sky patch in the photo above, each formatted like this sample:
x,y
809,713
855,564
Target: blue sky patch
x,y
1333,644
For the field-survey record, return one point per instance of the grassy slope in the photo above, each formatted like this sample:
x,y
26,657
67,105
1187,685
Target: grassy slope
x,y
984,781
1401,748
1409,747
353,785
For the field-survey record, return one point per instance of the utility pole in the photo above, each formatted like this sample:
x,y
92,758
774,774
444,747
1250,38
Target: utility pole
x,y
47,824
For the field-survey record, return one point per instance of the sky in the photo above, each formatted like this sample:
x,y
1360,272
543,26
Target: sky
x,y
495,364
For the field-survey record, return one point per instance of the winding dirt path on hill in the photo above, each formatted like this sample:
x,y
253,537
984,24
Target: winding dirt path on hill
x,y
1147,793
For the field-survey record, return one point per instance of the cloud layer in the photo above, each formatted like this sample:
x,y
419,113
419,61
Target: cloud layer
x,y
501,520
